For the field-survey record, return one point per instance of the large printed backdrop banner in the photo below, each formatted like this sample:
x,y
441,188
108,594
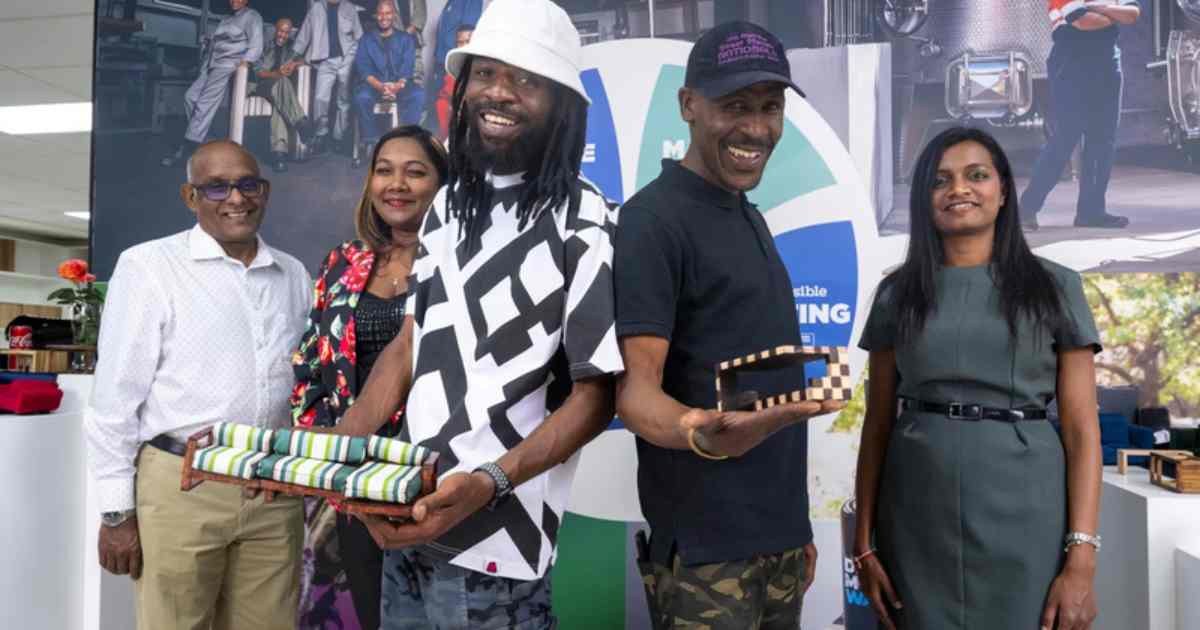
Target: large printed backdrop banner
x,y
883,92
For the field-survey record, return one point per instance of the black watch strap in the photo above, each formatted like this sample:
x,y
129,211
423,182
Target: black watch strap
x,y
503,485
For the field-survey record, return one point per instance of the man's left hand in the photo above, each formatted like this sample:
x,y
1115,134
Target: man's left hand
x,y
457,497
810,567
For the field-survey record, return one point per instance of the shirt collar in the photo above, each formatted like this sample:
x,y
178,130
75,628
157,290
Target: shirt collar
x,y
698,188
202,246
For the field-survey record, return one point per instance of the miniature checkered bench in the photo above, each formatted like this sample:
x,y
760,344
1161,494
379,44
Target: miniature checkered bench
x,y
835,385
374,475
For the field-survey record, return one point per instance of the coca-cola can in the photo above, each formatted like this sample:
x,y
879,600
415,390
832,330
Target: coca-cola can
x,y
20,337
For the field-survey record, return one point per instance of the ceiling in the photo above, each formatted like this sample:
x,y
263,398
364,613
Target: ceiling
x,y
45,57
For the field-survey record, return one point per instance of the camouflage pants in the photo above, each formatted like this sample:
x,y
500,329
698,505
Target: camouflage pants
x,y
760,593
423,592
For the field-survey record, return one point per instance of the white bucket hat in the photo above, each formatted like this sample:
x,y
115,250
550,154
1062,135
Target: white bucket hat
x,y
534,35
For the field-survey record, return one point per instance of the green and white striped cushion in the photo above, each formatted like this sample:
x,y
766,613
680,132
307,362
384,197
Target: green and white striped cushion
x,y
243,436
226,460
303,471
395,451
323,446
378,481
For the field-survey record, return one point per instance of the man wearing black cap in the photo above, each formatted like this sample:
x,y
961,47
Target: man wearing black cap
x,y
698,280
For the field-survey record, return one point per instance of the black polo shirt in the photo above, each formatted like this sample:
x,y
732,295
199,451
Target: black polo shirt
x,y
696,265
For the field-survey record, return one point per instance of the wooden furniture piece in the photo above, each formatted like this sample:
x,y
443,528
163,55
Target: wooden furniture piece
x,y
8,255
835,385
1124,454
36,360
192,477
81,359
1187,472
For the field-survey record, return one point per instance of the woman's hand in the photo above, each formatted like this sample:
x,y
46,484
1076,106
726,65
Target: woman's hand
x,y
877,585
1072,600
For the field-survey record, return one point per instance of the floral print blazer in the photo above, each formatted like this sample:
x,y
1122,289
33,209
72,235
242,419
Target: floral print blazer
x,y
324,364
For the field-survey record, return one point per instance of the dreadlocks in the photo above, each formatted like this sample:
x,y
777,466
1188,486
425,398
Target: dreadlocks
x,y
468,193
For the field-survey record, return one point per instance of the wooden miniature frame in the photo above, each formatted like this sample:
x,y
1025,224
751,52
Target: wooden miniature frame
x,y
1187,472
193,477
835,385
1123,455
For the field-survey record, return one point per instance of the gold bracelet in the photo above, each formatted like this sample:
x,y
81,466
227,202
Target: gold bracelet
x,y
701,452
857,560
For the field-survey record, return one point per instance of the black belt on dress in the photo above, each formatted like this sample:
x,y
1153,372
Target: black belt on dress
x,y
164,442
970,411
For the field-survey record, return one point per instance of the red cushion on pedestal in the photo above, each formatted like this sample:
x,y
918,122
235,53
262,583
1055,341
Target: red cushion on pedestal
x,y
30,396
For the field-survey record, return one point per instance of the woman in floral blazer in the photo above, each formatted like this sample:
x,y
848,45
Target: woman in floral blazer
x,y
358,307
326,362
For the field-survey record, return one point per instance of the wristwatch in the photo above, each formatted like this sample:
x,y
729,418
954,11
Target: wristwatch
x,y
112,519
503,485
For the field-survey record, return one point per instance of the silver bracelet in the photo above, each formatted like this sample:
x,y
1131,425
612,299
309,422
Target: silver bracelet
x,y
1080,538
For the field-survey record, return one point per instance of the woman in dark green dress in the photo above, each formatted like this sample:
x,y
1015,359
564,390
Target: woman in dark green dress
x,y
973,512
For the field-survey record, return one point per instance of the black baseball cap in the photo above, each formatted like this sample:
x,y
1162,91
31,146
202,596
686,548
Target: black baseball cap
x,y
734,55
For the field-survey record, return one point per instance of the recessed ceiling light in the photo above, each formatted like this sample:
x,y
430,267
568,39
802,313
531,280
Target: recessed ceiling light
x,y
82,215
55,118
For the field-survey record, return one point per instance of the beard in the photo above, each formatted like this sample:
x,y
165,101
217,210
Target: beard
x,y
523,153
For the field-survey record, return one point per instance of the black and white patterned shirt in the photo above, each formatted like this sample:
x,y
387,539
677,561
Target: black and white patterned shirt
x,y
500,333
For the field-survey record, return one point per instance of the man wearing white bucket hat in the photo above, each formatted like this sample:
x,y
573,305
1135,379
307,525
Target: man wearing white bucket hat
x,y
508,356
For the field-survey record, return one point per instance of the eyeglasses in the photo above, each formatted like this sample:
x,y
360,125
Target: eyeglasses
x,y
252,187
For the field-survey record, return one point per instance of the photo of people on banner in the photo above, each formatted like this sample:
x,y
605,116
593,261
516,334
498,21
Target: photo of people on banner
x,y
308,87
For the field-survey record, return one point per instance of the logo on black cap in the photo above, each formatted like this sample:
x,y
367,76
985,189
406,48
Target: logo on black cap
x,y
734,55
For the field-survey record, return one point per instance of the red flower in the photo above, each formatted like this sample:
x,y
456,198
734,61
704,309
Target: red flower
x,y
74,270
307,418
343,387
355,276
347,343
298,393
324,350
89,277
319,293
332,260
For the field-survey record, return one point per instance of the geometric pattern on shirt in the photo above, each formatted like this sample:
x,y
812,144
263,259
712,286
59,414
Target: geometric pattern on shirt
x,y
835,385
494,313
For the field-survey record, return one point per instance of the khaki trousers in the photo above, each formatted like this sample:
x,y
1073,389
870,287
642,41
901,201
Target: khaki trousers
x,y
212,559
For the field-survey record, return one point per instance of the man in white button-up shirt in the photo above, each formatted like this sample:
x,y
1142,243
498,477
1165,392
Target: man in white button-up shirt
x,y
199,327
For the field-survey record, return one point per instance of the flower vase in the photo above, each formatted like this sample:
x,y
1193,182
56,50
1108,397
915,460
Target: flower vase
x,y
85,323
